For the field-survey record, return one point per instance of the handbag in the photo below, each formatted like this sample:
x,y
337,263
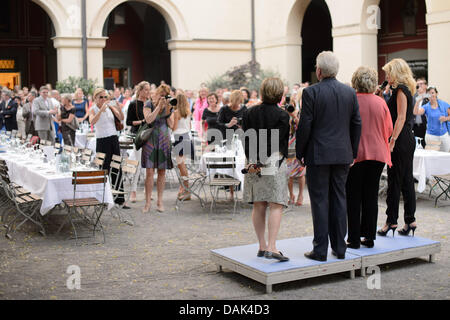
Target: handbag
x,y
118,123
143,134
74,124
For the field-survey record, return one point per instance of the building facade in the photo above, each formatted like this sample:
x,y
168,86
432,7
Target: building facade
x,y
187,42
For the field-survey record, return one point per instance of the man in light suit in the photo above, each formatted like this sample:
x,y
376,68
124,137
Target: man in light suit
x,y
43,111
327,142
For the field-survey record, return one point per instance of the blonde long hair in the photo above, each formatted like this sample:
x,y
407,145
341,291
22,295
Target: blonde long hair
x,y
183,106
400,73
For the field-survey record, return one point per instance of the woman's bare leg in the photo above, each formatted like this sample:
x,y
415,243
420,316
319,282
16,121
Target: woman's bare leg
x,y
149,172
259,223
274,225
160,184
301,187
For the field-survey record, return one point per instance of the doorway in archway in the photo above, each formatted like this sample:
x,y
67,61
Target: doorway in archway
x,y
403,35
316,37
137,47
27,55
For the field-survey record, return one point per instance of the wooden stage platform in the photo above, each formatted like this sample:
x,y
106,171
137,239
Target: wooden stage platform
x,y
243,259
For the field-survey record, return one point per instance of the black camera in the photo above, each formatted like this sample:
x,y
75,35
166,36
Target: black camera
x,y
288,106
172,101
239,122
254,166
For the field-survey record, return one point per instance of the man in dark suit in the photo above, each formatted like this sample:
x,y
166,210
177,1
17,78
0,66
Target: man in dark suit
x,y
2,106
327,142
9,111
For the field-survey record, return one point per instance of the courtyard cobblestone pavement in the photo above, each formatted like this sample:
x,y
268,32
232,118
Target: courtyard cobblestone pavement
x,y
165,256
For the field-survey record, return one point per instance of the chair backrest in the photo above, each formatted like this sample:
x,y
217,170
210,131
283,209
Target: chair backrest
x,y
89,177
96,177
100,155
68,148
432,147
130,166
220,163
48,143
43,142
434,142
87,152
116,158
85,158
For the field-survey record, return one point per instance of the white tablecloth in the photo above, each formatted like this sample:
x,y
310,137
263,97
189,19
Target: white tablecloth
x,y
41,179
81,140
427,163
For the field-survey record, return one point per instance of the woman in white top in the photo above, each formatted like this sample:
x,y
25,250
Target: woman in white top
x,y
101,116
183,145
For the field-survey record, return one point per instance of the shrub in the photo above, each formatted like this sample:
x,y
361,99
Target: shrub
x,y
241,76
69,85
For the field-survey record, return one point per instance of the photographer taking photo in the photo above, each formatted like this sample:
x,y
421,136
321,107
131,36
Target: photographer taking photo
x,y
230,117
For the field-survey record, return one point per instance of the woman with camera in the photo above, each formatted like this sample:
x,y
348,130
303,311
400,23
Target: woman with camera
x,y
438,117
156,152
101,116
265,184
183,144
66,115
230,117
135,118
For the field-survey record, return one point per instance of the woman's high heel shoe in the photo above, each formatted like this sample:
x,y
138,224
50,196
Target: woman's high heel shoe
x,y
383,233
404,232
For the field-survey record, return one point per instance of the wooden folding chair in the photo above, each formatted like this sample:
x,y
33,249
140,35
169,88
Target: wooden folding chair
x,y
443,182
218,181
99,159
88,209
26,205
433,145
193,183
124,170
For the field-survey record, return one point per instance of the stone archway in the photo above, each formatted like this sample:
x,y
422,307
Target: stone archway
x,y
295,29
97,42
174,18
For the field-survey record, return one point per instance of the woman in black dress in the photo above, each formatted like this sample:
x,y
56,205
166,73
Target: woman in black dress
x,y
135,117
402,145
66,114
210,117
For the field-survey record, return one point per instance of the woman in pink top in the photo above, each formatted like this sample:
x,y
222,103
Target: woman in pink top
x,y
200,104
373,153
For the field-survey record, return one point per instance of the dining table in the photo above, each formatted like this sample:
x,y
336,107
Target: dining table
x,y
428,163
35,172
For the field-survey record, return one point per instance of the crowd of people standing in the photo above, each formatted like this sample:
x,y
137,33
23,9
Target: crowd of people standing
x,y
341,137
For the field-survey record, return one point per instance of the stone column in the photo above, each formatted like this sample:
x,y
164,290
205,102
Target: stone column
x,y
354,47
69,57
196,61
438,50
95,58
283,55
